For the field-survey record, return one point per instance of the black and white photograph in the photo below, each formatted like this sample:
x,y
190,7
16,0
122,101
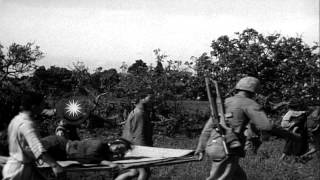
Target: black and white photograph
x,y
159,89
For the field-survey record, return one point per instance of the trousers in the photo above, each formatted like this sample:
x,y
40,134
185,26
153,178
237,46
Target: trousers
x,y
227,169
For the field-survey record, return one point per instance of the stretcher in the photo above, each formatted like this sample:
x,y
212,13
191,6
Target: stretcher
x,y
140,156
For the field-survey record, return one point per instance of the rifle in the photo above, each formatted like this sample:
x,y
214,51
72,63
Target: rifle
x,y
219,121
220,107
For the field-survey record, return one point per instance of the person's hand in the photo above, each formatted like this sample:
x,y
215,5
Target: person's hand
x,y
114,165
297,135
111,164
199,154
58,170
60,133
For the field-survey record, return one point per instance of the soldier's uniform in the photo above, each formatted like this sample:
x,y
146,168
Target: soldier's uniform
x,y
253,139
243,110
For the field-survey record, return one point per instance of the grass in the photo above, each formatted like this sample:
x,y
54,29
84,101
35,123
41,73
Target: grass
x,y
263,166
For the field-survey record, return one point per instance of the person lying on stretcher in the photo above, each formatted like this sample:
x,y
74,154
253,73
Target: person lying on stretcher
x,y
87,151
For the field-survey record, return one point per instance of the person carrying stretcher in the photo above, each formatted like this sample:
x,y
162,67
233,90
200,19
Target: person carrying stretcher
x,y
295,121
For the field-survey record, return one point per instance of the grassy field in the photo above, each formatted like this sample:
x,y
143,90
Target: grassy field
x,y
263,166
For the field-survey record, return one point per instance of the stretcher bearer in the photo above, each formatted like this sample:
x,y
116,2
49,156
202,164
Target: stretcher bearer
x,y
313,126
241,110
25,147
138,129
295,121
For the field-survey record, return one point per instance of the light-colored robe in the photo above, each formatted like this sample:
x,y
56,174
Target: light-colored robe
x,y
22,136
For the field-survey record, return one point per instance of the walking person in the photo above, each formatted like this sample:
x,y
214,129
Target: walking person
x,y
241,110
25,147
295,121
138,129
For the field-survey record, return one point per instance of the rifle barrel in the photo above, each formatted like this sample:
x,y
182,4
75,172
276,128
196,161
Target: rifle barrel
x,y
213,107
220,106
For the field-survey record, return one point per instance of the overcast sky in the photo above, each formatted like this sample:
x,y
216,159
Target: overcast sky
x,y
108,32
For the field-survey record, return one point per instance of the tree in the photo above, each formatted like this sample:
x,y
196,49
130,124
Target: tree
x,y
138,68
160,59
286,66
53,81
105,81
124,67
80,74
19,59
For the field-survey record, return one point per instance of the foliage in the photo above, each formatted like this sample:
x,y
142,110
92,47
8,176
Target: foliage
x,y
160,59
105,81
80,75
53,81
17,61
124,67
138,68
286,66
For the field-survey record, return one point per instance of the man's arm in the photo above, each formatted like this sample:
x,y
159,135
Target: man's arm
x,y
262,122
258,117
205,134
37,148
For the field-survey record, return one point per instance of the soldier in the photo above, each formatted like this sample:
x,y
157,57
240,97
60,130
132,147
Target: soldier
x,y
139,130
242,110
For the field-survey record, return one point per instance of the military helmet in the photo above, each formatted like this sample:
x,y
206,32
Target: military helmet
x,y
248,83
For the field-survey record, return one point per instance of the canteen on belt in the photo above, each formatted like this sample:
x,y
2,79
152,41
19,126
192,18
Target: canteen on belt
x,y
215,149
